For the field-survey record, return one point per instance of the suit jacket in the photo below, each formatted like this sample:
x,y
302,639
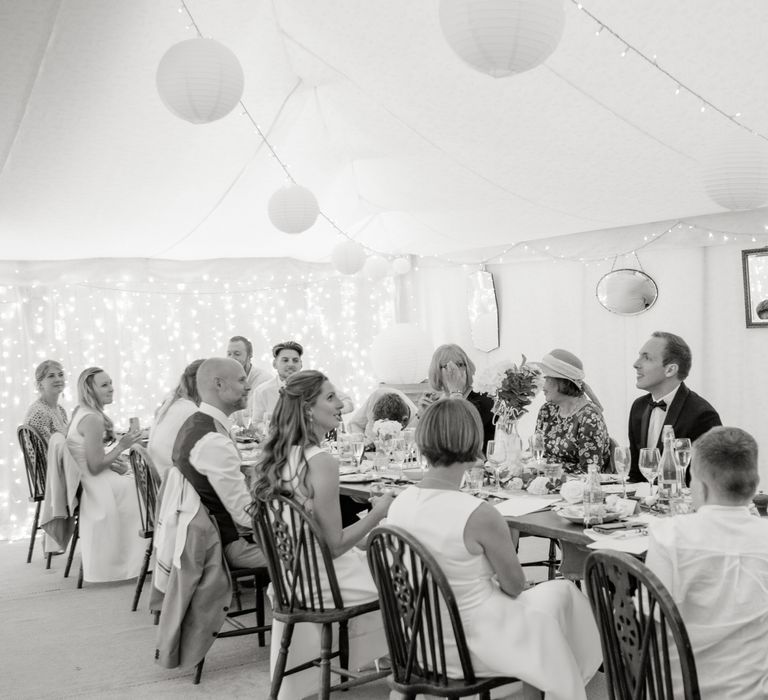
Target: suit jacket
x,y
689,414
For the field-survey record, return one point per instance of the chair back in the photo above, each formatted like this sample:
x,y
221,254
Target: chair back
x,y
419,610
147,483
639,626
299,561
35,451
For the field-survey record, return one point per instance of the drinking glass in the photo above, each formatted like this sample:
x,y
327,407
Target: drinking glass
x,y
409,435
621,458
649,464
494,453
357,444
537,448
682,457
397,453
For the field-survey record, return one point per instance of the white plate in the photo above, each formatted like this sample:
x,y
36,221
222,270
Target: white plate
x,y
356,478
575,514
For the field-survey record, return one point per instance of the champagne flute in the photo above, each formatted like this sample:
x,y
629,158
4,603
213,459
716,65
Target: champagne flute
x,y
682,457
621,458
649,464
494,453
537,448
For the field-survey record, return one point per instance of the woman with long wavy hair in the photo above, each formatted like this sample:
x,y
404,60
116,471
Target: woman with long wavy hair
x,y
109,512
294,463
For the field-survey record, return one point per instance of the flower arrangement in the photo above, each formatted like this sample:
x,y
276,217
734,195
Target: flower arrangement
x,y
512,388
387,429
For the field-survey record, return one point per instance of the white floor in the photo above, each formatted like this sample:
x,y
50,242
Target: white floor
x,y
60,642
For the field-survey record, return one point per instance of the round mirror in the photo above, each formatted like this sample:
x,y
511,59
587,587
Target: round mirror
x,y
627,292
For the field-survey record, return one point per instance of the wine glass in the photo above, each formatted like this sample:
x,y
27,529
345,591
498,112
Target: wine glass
x,y
682,457
537,448
649,464
409,435
357,445
494,453
621,458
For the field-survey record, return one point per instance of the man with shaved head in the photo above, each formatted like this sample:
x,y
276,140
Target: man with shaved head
x,y
208,458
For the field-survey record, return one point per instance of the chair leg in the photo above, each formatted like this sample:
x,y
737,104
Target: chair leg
x,y
343,647
142,576
72,545
48,558
260,612
326,637
156,615
282,658
238,597
552,560
80,575
34,532
198,671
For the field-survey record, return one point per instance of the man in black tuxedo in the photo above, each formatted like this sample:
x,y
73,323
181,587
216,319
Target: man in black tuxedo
x,y
662,365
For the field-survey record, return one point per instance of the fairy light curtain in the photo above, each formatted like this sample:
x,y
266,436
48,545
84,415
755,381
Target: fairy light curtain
x,y
143,321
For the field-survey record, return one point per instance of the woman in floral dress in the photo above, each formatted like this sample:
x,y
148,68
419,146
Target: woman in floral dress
x,y
45,414
571,420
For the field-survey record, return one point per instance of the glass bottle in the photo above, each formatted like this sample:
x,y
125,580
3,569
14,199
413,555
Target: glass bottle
x,y
669,484
593,498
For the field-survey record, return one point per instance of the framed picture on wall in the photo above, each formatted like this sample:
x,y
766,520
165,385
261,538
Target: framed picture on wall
x,y
755,266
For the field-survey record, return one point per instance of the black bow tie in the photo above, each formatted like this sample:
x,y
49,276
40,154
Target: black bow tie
x,y
659,404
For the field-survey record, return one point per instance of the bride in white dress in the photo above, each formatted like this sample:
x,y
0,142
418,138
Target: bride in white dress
x,y
109,511
293,462
545,635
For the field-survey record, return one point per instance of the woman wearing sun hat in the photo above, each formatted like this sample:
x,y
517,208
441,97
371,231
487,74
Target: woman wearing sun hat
x,y
571,420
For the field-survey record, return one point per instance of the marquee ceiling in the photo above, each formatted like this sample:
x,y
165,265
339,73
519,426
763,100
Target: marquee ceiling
x,y
407,148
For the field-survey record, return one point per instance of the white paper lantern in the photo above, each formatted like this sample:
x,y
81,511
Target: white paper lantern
x,y
401,354
293,209
200,80
502,37
376,267
736,177
401,266
348,257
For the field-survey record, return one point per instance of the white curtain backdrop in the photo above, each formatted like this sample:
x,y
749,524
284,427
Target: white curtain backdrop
x,y
143,321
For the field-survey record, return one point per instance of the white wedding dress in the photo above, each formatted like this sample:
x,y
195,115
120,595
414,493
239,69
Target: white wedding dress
x,y
366,633
546,636
110,545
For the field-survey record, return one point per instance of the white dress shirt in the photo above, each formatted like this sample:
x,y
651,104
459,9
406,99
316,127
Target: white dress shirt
x,y
162,434
658,415
263,399
216,457
715,565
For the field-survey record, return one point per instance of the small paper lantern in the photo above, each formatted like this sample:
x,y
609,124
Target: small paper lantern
x,y
502,37
401,266
200,80
348,257
401,354
293,209
376,267
736,177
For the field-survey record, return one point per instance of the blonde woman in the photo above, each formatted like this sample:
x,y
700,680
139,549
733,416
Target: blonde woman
x,y
45,414
109,513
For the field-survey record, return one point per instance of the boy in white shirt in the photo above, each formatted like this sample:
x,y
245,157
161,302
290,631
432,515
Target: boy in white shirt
x,y
715,565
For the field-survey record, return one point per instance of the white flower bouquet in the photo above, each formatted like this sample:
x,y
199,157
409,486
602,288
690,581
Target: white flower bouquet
x,y
387,429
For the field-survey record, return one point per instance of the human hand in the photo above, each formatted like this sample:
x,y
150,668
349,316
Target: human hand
x,y
119,466
130,438
454,377
380,504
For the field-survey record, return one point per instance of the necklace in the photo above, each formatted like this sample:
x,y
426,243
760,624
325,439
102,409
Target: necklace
x,y
442,481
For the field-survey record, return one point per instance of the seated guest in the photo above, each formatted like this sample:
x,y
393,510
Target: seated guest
x,y
451,373
714,563
293,462
109,511
545,635
571,419
240,349
179,406
208,458
403,410
286,361
45,414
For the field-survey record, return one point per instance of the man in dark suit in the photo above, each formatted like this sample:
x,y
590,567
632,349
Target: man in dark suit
x,y
662,365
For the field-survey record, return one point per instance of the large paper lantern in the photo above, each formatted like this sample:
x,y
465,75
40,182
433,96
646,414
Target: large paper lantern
x,y
293,209
348,257
502,37
401,354
376,267
200,80
736,177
